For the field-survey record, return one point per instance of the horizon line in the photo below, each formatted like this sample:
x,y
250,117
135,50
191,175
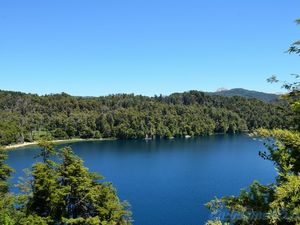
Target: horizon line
x,y
135,94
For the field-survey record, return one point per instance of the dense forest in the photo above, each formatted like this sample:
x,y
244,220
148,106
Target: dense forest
x,y
28,117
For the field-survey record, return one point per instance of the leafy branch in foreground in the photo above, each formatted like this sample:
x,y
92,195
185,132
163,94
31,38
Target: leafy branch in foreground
x,y
295,46
278,203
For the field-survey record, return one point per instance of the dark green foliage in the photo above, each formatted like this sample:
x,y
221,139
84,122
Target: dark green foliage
x,y
44,186
59,133
8,212
47,150
84,197
9,132
62,193
67,193
250,207
27,117
5,172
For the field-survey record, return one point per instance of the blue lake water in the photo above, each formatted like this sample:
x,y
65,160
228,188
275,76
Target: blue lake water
x,y
167,182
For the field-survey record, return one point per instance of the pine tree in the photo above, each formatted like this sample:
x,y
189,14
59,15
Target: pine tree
x,y
85,198
67,193
6,199
5,172
44,185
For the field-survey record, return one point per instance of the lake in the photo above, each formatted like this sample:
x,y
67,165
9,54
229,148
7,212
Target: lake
x,y
167,182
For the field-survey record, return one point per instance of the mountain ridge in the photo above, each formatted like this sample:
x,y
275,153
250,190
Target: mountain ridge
x,y
241,92
266,97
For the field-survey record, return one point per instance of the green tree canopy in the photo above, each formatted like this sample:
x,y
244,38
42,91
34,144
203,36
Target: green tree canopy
x,y
67,193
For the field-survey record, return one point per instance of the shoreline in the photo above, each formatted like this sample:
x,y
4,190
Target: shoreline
x,y
73,140
63,141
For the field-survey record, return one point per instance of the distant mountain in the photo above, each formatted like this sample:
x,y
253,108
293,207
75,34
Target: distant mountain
x,y
266,97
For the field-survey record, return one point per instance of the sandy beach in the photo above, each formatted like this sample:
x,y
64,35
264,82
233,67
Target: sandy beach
x,y
34,143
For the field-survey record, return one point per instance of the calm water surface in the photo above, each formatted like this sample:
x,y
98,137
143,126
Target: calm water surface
x,y
167,182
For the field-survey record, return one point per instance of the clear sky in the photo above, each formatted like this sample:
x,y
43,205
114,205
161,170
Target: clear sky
x,y
145,46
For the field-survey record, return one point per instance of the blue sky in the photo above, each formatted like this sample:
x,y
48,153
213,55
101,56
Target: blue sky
x,y
145,46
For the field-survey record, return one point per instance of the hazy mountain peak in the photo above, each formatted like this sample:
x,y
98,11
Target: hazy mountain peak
x,y
221,89
267,97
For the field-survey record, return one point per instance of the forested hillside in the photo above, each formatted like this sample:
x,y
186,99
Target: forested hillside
x,y
27,117
247,94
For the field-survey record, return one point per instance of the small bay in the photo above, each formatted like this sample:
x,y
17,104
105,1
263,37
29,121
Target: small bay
x,y
167,182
